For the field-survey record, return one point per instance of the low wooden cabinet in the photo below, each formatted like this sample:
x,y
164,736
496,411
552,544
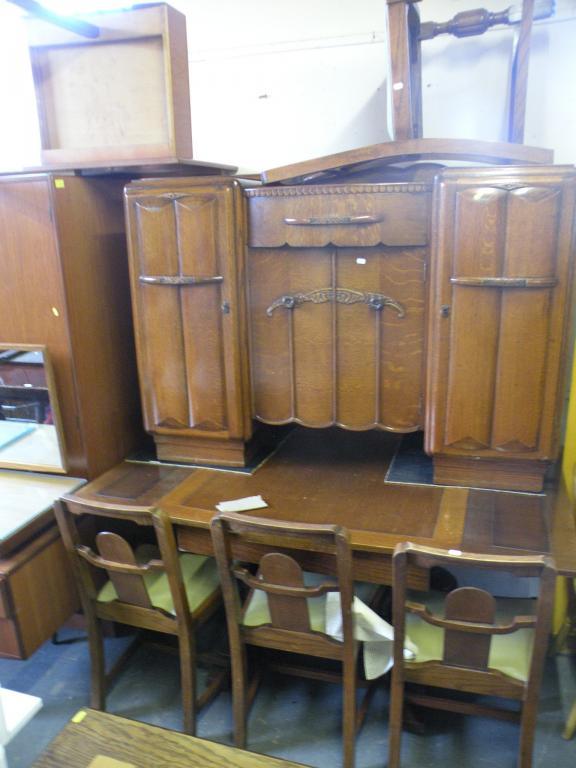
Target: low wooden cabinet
x,y
186,241
393,305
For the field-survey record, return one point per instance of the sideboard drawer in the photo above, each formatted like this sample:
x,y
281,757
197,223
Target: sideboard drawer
x,y
352,215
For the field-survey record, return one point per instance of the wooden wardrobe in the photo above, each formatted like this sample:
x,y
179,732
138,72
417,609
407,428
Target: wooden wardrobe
x,y
65,285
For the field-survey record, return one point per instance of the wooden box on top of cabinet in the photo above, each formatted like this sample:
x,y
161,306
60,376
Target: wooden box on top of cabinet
x,y
65,285
115,99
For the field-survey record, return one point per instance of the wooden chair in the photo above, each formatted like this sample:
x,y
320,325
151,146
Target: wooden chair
x,y
151,588
282,611
566,634
406,34
472,645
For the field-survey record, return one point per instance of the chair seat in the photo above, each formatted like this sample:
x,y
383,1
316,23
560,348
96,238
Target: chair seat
x,y
510,654
199,574
257,613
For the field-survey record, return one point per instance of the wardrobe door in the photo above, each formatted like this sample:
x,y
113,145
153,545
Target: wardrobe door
x,y
501,283
187,307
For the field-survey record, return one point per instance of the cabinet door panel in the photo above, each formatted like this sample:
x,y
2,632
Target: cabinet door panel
x,y
163,383
271,349
188,378
501,260
313,339
331,357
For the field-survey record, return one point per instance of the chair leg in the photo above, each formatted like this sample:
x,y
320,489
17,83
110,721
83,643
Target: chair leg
x,y
570,728
187,647
97,665
527,727
349,715
395,719
239,695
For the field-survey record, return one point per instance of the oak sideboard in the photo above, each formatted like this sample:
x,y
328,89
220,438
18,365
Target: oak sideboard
x,y
440,304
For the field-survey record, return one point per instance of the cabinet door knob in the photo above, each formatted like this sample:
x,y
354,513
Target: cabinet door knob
x,y
445,310
225,307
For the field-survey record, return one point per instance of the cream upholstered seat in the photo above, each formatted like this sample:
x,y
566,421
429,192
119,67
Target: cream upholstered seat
x,y
509,654
199,575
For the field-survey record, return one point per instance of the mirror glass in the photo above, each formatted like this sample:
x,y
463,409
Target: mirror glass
x,y
30,429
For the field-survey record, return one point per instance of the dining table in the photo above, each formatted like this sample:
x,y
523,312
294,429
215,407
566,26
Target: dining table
x,y
344,478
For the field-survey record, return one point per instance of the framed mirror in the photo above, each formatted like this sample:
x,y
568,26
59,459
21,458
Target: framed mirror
x,y
31,435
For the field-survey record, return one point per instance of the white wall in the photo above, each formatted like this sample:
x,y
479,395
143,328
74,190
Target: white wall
x,y
278,81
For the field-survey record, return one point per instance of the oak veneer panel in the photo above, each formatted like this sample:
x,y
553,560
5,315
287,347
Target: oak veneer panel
x,y
98,734
313,336
310,216
182,372
65,285
506,523
271,357
333,476
531,249
94,264
41,594
141,484
163,384
375,157
186,244
332,363
497,354
31,289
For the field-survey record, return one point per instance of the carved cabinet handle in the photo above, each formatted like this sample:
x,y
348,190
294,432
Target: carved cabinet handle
x,y
376,301
505,282
320,221
178,279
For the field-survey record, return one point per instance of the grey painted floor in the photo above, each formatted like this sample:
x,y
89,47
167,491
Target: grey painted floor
x,y
292,718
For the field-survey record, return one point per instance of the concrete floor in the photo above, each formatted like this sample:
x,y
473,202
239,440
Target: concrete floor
x,y
291,718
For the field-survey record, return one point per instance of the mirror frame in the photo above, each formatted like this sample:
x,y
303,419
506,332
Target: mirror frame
x,y
56,415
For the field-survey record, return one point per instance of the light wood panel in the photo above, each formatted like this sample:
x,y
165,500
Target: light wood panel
x,y
185,239
500,308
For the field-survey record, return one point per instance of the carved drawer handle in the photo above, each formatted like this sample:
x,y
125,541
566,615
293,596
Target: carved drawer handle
x,y
178,280
376,301
506,282
320,221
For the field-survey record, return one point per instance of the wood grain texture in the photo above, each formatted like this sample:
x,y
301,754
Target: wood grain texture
x,y
65,286
144,745
512,223
193,383
466,646
133,605
405,68
308,216
331,363
377,156
40,594
124,97
280,577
